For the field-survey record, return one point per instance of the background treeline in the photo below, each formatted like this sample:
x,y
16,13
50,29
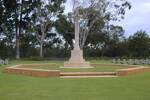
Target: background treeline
x,y
34,28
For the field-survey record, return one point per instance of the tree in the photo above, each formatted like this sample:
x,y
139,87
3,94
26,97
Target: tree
x,y
65,27
91,11
1,15
139,44
17,18
28,44
44,16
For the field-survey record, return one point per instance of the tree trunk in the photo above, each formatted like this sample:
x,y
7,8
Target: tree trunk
x,y
17,45
17,38
41,50
18,32
103,51
18,35
102,54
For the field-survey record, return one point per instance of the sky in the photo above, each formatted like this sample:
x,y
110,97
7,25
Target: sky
x,y
138,18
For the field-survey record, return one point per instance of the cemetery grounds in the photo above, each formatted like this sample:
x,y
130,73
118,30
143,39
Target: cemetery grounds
x,y
19,87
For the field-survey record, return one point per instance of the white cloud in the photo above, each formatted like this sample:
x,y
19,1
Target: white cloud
x,y
138,17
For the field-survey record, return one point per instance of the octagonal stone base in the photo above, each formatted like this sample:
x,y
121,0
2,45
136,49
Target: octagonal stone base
x,y
76,60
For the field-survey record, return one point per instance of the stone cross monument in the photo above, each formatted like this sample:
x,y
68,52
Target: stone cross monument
x,y
77,59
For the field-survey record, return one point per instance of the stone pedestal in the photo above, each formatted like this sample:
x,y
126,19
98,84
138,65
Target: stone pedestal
x,y
76,60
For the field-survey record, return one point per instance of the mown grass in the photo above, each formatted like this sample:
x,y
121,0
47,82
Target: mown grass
x,y
99,68
17,87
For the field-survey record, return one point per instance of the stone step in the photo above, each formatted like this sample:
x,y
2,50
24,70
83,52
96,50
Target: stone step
x,y
105,76
88,74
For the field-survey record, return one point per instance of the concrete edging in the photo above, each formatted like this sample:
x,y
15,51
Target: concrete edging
x,y
32,72
24,70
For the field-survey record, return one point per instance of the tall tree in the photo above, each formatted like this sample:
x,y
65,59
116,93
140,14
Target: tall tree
x,y
44,16
17,16
90,11
1,15
139,44
65,27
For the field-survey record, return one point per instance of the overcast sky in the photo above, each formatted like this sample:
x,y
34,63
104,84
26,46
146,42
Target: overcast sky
x,y
135,19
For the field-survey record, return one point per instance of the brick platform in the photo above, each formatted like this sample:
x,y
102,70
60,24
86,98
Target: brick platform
x,y
27,69
130,71
19,69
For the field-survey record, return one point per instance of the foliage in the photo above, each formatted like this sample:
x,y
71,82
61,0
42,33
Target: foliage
x,y
16,18
65,28
43,19
139,44
90,12
23,21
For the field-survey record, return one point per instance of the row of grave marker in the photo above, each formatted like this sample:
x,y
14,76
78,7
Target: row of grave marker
x,y
115,61
3,62
132,61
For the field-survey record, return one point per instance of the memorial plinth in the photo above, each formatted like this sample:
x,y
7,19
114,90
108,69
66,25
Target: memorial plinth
x,y
76,60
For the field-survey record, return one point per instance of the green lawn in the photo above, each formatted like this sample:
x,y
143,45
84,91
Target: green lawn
x,y
60,65
17,87
94,69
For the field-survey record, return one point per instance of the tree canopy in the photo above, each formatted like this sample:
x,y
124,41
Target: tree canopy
x,y
27,25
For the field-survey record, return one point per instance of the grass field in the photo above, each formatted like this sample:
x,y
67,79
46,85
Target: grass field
x,y
94,69
98,68
17,87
